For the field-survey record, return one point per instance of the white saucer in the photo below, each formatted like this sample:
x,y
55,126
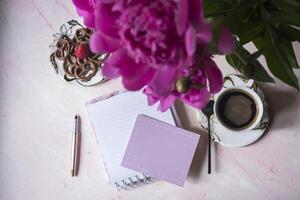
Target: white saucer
x,y
230,138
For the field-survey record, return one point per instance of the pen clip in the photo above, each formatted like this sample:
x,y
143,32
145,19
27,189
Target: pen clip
x,y
76,124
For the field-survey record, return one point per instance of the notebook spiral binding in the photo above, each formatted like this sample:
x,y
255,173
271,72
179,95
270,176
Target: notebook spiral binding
x,y
130,183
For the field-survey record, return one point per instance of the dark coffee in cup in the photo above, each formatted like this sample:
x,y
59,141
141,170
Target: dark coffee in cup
x,y
236,109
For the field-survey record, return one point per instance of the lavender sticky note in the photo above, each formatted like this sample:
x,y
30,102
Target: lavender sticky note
x,y
160,150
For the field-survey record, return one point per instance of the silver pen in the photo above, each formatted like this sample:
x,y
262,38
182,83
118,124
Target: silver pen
x,y
75,147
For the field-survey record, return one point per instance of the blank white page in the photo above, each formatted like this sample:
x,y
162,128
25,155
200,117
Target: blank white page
x,y
113,121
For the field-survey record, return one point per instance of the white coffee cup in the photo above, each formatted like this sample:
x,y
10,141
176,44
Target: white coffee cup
x,y
249,92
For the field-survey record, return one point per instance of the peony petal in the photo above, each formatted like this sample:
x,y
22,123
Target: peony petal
x,y
127,67
106,19
81,12
204,34
133,84
83,5
225,41
196,13
103,43
152,99
89,20
163,82
190,41
182,15
109,70
108,1
88,17
118,6
139,82
196,98
134,75
166,103
213,74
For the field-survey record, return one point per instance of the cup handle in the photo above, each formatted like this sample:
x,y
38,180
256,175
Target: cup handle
x,y
250,83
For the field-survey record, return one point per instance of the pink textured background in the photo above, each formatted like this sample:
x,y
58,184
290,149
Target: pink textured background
x,y
36,119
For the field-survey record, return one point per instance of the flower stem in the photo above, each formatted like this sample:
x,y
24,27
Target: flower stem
x,y
239,57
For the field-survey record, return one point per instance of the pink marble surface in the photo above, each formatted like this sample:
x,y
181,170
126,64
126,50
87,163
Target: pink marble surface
x,y
36,118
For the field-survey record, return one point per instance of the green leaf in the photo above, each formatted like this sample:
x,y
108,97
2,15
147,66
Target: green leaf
x,y
275,38
270,35
289,5
279,67
260,74
242,53
215,7
234,19
290,32
247,64
277,63
216,27
256,55
249,31
289,53
234,61
254,3
283,17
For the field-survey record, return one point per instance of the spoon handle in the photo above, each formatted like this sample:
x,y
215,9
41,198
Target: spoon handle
x,y
209,147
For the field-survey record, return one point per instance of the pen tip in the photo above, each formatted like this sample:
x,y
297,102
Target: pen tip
x,y
76,116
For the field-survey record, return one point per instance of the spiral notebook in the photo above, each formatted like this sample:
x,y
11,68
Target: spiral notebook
x,y
160,150
113,119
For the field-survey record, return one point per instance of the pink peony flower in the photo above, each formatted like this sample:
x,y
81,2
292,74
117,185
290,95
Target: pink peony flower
x,y
159,44
196,80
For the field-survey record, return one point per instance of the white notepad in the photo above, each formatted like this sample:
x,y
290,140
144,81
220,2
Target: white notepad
x,y
113,119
